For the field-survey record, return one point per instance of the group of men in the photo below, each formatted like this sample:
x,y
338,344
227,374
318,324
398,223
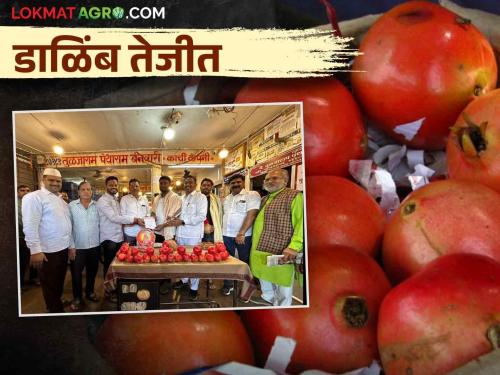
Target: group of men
x,y
56,232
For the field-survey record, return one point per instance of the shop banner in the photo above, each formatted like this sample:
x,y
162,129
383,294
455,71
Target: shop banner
x,y
282,134
281,161
126,158
235,159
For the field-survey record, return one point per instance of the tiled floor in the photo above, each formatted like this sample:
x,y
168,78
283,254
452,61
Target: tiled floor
x,y
32,299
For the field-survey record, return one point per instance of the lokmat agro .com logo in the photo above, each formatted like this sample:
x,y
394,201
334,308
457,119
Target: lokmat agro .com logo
x,y
89,13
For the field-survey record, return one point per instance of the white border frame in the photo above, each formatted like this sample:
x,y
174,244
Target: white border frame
x,y
306,253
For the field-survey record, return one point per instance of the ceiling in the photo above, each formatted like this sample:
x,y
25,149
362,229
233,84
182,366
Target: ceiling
x,y
139,128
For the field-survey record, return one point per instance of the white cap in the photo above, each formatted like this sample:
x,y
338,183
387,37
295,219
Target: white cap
x,y
51,172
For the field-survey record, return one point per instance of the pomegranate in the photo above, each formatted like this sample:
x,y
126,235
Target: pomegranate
x,y
423,64
442,217
136,344
333,128
337,333
441,318
473,149
352,219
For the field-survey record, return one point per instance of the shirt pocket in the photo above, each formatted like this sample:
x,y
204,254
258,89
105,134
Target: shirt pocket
x,y
241,206
190,209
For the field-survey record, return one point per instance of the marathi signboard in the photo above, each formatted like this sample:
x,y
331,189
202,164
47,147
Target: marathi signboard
x,y
235,159
280,135
126,158
242,173
286,159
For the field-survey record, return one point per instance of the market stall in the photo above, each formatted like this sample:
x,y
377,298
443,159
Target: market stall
x,y
122,275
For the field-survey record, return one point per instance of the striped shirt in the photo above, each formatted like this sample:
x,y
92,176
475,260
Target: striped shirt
x,y
85,225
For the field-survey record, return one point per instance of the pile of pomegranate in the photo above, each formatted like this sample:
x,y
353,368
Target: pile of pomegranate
x,y
167,254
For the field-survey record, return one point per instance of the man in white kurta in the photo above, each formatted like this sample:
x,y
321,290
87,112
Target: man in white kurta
x,y
190,224
136,205
166,206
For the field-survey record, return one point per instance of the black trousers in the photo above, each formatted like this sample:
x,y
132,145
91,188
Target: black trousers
x,y
109,250
52,276
243,251
88,259
159,238
24,259
131,240
208,237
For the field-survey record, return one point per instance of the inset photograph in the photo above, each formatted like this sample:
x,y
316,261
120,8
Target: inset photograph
x,y
160,208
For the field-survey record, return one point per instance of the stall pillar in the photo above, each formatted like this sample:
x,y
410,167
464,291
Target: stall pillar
x,y
155,177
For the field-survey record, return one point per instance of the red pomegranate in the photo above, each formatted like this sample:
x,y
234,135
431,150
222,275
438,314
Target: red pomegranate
x,y
339,212
173,343
334,130
337,333
441,318
421,61
442,217
473,149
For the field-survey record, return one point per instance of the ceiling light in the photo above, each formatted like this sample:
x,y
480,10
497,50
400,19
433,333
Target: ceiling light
x,y
168,134
58,149
178,183
223,153
124,190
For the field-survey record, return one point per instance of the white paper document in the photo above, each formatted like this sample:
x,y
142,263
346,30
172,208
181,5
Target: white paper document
x,y
149,222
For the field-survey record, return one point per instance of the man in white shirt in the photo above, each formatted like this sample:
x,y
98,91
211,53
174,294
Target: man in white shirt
x,y
166,205
110,223
84,249
47,230
240,209
190,225
136,205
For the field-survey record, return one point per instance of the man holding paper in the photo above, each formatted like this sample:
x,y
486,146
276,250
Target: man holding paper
x,y
166,206
190,225
277,230
136,205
